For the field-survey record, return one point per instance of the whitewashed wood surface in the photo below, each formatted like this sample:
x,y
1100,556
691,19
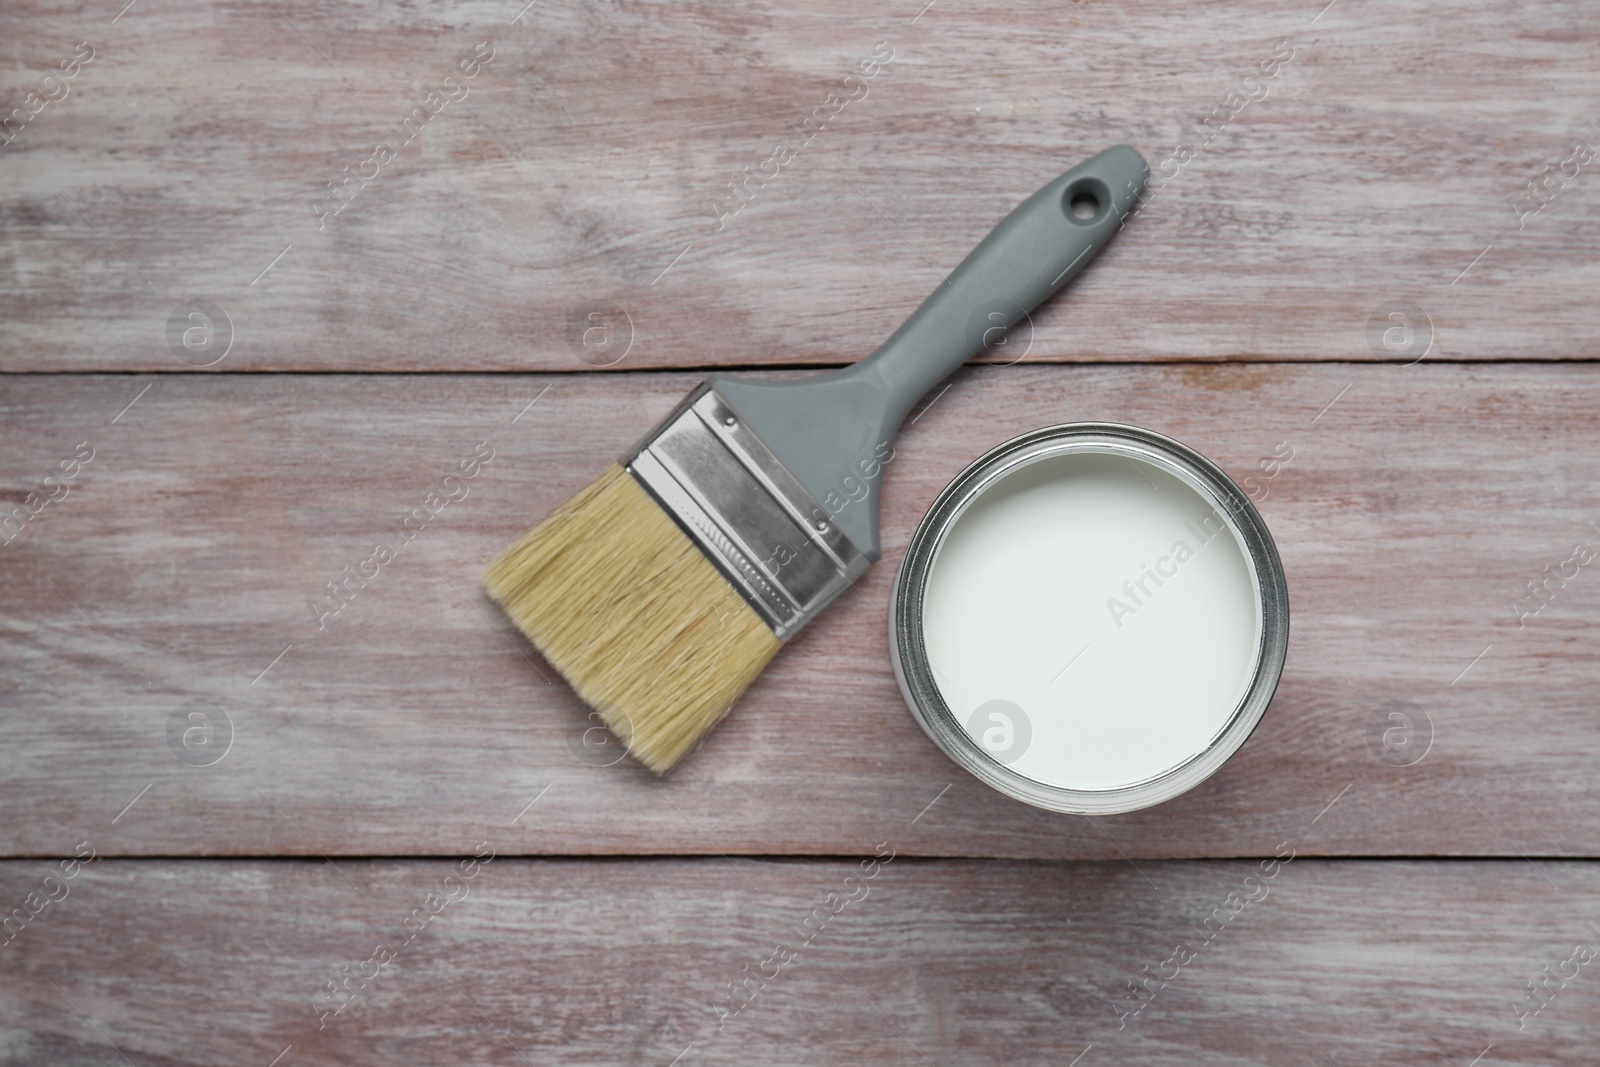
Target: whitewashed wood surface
x,y
949,962
182,565
1383,162
556,228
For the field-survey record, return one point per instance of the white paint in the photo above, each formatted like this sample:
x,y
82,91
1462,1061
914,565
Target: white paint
x,y
1031,578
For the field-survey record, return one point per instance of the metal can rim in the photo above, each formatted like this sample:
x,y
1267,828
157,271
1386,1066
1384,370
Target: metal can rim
x,y
914,673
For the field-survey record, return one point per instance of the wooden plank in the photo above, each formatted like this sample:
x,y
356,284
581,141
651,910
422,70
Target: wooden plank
x,y
947,962
586,173
182,564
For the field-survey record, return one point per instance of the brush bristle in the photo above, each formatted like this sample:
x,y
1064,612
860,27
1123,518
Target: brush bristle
x,y
621,602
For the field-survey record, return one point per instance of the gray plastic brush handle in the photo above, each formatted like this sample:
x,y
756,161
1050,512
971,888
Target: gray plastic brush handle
x,y
1033,252
830,429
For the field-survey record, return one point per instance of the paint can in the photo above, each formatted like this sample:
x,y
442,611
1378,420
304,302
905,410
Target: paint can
x,y
1091,618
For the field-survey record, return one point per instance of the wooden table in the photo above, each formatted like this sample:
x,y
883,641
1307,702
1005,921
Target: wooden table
x,y
405,844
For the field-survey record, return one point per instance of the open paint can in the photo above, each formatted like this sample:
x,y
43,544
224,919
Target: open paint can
x,y
1091,618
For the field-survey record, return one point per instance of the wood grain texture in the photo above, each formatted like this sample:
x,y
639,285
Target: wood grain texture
x,y
952,962
182,565
572,213
582,173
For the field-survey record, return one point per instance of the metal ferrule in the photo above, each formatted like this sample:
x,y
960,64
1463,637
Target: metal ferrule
x,y
768,536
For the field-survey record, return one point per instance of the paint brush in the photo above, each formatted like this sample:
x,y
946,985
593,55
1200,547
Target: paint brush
x,y
663,589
